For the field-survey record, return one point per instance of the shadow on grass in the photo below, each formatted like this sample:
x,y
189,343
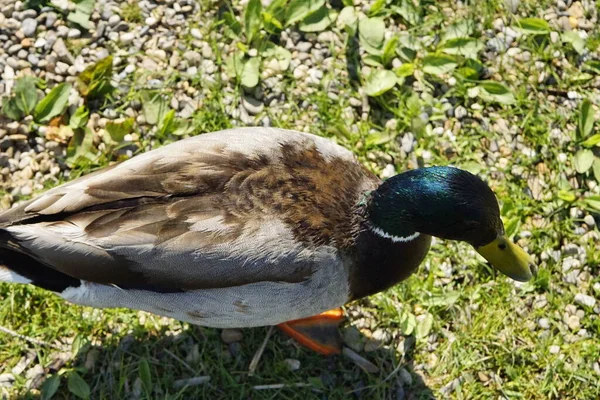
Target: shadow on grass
x,y
157,363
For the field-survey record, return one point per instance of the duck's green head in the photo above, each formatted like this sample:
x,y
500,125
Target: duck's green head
x,y
448,203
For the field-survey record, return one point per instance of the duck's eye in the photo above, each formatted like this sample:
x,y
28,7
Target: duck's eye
x,y
502,246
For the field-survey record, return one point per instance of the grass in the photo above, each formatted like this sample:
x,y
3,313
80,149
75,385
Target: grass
x,y
456,329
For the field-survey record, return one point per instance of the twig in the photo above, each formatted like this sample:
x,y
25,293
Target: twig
x,y
259,353
198,380
30,339
181,361
280,386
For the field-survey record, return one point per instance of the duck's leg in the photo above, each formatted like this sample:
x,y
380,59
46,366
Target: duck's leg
x,y
319,333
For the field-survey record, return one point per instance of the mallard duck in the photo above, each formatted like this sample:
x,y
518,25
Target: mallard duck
x,y
247,227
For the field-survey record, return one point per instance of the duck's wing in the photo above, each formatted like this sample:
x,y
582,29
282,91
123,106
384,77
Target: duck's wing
x,y
217,210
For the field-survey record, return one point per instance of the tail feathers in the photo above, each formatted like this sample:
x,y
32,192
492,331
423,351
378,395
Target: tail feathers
x,y
6,275
16,267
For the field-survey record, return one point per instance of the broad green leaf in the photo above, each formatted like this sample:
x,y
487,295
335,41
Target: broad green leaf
x,y
85,6
54,104
462,29
371,32
10,109
583,160
592,141
26,94
442,300
405,70
424,326
408,322
94,81
389,50
118,130
79,153
533,26
280,54
49,387
80,18
232,23
567,196
154,107
512,225
348,19
269,20
373,61
593,202
80,118
467,47
379,138
495,92
78,386
167,125
318,21
408,11
377,7
277,9
297,10
182,127
145,375
380,82
593,66
439,64
586,119
575,40
252,19
596,169
471,69
235,64
250,72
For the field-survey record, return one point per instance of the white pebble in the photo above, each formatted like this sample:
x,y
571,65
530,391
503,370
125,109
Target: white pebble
x,y
585,300
388,171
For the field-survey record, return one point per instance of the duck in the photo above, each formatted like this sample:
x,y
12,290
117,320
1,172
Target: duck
x,y
247,227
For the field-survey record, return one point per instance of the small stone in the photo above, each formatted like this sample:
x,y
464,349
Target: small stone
x,y
62,52
252,105
114,20
151,21
460,112
388,171
231,335
544,323
51,18
585,300
576,10
573,322
292,364
196,34
589,220
6,380
74,33
29,25
554,349
127,37
300,71
304,47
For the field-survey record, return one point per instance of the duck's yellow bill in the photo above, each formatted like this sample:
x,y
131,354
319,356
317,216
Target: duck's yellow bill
x,y
508,258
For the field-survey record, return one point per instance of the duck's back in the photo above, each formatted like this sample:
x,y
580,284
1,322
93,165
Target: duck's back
x,y
213,229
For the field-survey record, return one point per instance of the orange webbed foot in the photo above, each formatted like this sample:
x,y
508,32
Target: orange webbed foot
x,y
319,332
